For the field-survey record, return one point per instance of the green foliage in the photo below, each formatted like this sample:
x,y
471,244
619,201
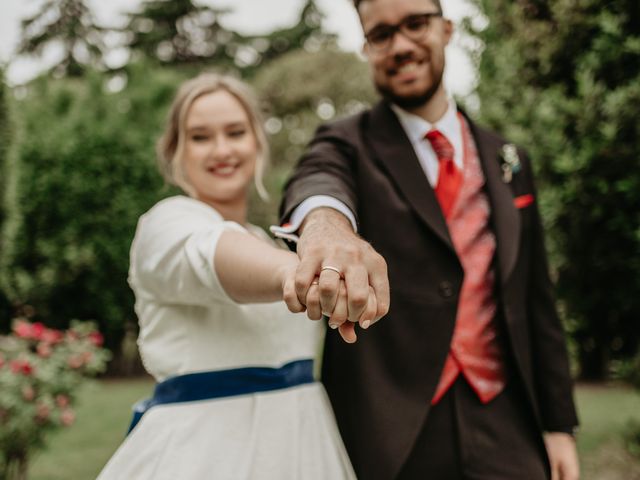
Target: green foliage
x,y
85,171
70,25
562,78
629,370
5,139
300,90
176,32
180,32
4,144
306,34
183,33
40,372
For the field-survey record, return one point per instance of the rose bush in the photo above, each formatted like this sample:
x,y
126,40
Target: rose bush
x,y
40,372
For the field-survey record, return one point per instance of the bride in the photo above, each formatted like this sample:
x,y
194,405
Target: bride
x,y
235,397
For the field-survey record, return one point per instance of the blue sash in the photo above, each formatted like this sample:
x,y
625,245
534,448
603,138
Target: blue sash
x,y
224,383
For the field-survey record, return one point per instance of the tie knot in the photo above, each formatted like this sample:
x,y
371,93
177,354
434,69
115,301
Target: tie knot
x,y
440,145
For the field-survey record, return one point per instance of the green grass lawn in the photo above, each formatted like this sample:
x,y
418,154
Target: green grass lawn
x,y
102,419
606,414
103,415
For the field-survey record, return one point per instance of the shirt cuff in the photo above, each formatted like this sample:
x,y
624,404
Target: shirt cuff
x,y
288,231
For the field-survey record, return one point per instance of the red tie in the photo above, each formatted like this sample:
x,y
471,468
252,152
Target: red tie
x,y
449,176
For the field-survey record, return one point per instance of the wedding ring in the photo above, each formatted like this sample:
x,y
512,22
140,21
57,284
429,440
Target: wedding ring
x,y
333,269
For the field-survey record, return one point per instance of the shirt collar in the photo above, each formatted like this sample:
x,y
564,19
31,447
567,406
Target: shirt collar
x,y
417,127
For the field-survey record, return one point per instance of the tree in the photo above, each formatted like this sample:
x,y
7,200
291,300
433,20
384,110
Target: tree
x,y
300,90
562,78
85,171
5,139
306,34
68,24
180,32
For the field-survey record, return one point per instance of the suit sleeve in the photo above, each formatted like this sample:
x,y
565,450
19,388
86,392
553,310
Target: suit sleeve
x,y
326,168
552,376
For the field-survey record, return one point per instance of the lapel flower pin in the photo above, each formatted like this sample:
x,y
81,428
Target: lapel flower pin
x,y
510,162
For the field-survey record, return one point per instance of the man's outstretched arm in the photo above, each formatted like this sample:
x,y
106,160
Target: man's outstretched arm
x,y
326,240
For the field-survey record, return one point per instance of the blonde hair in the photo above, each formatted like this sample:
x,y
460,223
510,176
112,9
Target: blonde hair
x,y
170,147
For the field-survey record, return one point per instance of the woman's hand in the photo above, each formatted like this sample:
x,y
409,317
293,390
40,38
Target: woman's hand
x,y
339,318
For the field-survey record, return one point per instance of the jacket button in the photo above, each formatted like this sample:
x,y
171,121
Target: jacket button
x,y
446,289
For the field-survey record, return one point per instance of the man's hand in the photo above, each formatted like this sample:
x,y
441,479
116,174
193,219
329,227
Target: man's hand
x,y
328,240
563,456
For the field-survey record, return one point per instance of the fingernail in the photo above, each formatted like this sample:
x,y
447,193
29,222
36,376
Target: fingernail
x,y
366,324
333,325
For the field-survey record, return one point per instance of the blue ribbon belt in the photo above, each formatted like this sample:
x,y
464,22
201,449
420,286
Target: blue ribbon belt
x,y
224,383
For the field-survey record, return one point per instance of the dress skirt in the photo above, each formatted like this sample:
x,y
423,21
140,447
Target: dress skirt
x,y
279,435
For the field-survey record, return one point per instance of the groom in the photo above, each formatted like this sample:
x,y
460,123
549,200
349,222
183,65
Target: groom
x,y
467,377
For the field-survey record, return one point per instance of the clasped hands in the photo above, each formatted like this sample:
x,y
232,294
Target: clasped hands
x,y
339,275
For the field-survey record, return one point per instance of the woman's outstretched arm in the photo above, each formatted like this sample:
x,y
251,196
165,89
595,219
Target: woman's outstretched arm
x,y
251,270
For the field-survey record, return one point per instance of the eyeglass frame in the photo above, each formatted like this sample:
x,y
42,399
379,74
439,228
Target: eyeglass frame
x,y
398,28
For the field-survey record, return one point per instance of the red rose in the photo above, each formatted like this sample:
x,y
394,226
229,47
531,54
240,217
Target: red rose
x,y
21,366
44,349
37,329
96,338
67,417
43,412
75,361
72,335
52,336
15,366
28,393
62,400
22,329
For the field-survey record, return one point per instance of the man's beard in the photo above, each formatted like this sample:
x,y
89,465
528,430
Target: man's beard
x,y
412,101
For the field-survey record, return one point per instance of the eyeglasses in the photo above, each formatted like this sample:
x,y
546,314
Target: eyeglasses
x,y
414,27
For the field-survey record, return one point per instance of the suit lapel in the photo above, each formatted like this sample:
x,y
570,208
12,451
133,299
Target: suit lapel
x,y
392,148
505,217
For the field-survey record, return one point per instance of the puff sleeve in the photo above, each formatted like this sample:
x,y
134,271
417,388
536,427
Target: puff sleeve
x,y
173,250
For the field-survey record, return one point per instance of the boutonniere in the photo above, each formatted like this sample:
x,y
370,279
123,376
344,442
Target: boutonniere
x,y
509,162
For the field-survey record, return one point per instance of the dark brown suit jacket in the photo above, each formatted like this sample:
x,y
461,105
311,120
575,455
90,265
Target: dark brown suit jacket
x,y
381,386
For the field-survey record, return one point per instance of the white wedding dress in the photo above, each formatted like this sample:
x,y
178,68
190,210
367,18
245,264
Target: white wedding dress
x,y
188,324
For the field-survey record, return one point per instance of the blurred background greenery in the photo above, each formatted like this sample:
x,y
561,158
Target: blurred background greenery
x,y
77,162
